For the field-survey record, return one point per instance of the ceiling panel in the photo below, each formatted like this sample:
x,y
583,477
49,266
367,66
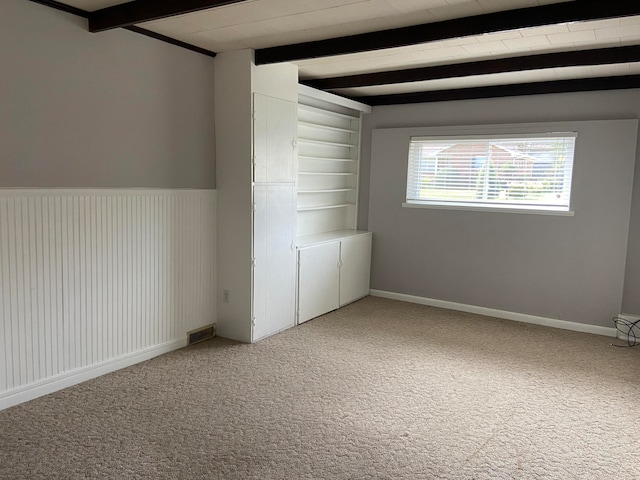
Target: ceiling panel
x,y
260,24
305,20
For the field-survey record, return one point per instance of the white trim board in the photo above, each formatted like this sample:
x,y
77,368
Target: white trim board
x,y
74,377
490,312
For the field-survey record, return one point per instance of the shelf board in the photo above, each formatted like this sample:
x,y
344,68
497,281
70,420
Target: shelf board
x,y
326,127
327,159
328,190
327,173
309,108
325,207
321,142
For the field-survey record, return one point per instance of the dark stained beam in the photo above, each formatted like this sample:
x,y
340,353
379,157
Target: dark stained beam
x,y
138,11
573,11
496,91
142,31
599,56
172,41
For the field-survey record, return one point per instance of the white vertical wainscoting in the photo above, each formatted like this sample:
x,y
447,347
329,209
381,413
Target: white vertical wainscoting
x,y
94,280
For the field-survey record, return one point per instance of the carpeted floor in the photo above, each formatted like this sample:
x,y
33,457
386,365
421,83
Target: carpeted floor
x,y
377,390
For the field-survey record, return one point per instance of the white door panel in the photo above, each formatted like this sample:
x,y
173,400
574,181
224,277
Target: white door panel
x,y
274,259
318,285
355,268
274,134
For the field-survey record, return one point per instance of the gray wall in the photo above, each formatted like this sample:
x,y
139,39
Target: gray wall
x,y
114,109
596,258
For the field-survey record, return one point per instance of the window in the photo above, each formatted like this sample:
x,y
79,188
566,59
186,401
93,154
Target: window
x,y
528,172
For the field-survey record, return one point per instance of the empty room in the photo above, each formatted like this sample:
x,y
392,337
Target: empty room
x,y
320,239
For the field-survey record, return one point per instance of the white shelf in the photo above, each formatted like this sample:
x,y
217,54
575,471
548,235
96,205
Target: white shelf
x,y
312,94
322,111
326,127
325,207
328,173
323,143
328,190
326,159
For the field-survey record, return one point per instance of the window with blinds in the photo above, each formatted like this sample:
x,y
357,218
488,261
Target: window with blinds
x,y
524,171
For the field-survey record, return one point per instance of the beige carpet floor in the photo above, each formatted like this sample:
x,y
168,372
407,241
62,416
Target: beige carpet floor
x,y
377,390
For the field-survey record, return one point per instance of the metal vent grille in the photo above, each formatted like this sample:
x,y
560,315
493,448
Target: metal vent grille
x,y
201,334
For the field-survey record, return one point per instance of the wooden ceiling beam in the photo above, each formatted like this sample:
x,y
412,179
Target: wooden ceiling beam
x,y
148,33
572,11
496,91
139,11
598,56
172,41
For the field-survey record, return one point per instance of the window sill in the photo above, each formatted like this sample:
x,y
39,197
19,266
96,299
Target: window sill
x,y
534,210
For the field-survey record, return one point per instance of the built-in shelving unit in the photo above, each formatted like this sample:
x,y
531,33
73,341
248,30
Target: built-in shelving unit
x,y
328,157
334,259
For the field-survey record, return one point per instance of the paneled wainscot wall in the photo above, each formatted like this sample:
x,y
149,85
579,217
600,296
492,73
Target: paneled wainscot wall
x,y
94,280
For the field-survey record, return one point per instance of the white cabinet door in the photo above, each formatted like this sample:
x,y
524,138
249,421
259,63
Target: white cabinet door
x,y
318,284
274,259
274,134
355,268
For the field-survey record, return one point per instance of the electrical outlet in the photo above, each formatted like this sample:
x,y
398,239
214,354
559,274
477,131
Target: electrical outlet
x,y
225,296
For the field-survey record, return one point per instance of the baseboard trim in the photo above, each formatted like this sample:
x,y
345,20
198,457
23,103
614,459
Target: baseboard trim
x,y
74,377
490,312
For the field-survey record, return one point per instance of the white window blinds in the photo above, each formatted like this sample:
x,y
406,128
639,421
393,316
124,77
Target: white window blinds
x,y
529,171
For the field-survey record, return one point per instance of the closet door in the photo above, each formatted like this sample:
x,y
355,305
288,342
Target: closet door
x,y
355,268
274,259
318,283
274,137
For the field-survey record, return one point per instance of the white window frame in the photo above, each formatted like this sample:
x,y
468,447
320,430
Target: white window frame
x,y
497,206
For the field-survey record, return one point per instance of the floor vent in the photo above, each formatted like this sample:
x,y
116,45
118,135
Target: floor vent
x,y
201,334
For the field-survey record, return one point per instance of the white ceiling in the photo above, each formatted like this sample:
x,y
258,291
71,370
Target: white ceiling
x,y
266,23
596,34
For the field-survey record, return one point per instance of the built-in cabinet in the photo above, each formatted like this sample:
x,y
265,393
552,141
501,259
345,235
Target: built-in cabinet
x,y
333,271
257,196
274,215
287,179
